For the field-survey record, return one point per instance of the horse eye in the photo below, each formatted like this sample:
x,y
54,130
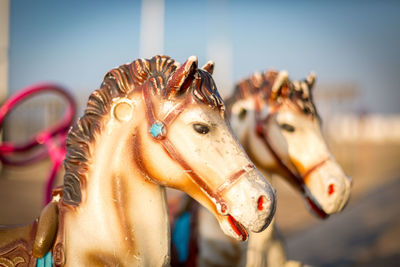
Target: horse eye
x,y
287,127
201,128
242,113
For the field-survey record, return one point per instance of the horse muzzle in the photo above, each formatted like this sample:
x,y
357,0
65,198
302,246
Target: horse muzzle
x,y
330,187
251,205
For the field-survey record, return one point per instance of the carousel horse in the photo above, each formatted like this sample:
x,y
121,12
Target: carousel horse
x,y
152,124
278,125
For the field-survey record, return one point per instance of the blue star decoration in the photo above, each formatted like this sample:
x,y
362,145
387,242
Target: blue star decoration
x,y
157,130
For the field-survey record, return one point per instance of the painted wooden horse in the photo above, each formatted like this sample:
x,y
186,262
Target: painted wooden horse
x,y
153,123
278,125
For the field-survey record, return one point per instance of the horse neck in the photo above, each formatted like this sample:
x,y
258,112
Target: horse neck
x,y
122,218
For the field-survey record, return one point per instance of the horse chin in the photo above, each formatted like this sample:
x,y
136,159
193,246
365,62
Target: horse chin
x,y
233,228
315,207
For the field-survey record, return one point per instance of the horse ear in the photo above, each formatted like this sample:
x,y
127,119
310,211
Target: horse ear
x,y
209,67
311,80
182,77
281,80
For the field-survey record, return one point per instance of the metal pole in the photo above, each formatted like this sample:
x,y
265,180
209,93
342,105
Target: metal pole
x,y
219,45
151,28
4,43
4,37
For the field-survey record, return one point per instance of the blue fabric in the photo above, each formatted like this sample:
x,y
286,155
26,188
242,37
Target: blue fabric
x,y
46,261
181,235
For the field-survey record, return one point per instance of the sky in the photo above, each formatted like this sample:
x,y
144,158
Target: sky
x,y
74,43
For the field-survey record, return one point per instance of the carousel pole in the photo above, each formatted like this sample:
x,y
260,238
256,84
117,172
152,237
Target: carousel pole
x,y
151,28
219,46
4,37
4,44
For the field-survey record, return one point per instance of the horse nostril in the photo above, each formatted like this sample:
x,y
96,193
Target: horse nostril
x,y
261,202
331,189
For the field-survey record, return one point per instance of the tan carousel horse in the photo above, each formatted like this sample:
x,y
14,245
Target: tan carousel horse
x,y
278,125
152,124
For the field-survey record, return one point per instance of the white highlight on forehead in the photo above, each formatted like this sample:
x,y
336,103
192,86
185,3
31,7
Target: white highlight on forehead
x,y
167,106
196,114
288,116
306,143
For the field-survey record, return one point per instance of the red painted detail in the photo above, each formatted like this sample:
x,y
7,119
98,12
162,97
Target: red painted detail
x,y
331,189
237,228
259,129
261,201
223,206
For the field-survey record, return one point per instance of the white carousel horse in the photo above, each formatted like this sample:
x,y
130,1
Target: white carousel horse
x,y
152,124
278,125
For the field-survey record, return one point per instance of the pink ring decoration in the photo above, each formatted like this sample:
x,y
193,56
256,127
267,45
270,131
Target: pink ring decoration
x,y
52,140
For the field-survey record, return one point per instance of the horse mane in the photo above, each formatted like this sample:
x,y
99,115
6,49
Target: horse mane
x,y
120,82
302,96
261,84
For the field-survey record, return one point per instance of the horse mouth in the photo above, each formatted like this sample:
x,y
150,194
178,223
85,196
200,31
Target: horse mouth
x,y
238,228
316,208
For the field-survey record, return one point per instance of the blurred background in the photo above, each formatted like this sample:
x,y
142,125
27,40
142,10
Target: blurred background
x,y
353,46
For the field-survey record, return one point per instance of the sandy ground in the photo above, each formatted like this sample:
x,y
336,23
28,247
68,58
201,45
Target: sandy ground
x,y
366,233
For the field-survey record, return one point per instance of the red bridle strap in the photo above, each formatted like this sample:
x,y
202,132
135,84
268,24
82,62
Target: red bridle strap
x,y
233,179
297,178
313,168
170,149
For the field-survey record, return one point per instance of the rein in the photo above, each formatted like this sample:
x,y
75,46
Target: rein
x,y
313,168
158,130
296,177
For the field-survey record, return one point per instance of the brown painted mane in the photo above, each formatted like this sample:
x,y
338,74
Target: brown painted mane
x,y
257,84
120,82
261,84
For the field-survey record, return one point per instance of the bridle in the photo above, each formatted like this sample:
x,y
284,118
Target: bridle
x,y
159,132
295,176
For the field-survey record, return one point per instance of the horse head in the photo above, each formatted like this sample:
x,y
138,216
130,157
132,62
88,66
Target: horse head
x,y
278,124
164,122
197,152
